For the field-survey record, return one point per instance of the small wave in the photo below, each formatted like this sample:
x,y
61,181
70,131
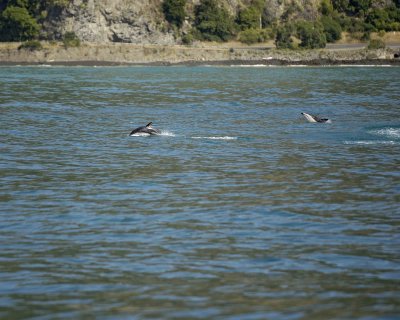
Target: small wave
x,y
365,65
392,133
216,138
370,142
162,133
250,65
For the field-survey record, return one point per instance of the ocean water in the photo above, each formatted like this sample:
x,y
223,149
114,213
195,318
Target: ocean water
x,y
240,209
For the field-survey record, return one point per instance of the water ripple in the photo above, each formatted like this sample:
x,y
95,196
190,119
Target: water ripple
x,y
238,210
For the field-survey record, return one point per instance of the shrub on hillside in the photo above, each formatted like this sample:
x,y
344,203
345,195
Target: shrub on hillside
x,y
16,24
311,35
31,45
249,18
332,29
187,39
376,44
383,19
213,22
251,36
71,40
283,39
174,11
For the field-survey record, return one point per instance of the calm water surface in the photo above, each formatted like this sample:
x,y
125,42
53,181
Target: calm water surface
x,y
239,210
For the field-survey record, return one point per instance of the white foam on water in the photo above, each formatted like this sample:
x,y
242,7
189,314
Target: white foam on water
x,y
217,138
140,134
392,133
370,142
162,133
167,133
250,65
365,65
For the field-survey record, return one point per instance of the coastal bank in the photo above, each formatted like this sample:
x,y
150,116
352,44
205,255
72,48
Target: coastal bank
x,y
134,54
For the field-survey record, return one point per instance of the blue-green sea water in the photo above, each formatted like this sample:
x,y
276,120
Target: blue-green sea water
x,y
240,209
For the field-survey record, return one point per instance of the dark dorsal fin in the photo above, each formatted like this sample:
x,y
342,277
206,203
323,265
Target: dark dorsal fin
x,y
149,124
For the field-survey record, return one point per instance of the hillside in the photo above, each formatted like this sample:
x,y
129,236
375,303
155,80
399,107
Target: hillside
x,y
290,23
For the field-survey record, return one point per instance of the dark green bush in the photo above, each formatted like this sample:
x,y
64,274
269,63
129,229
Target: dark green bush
x,y
332,29
249,18
16,24
187,39
326,7
311,35
354,25
283,39
213,21
378,19
31,45
359,7
383,18
251,36
174,11
71,40
376,44
340,5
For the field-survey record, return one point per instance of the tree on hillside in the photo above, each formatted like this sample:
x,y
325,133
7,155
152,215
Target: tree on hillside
x,y
249,18
213,21
174,11
16,24
332,29
311,35
283,38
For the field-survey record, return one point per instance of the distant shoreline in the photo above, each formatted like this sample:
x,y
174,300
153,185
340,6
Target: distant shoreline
x,y
124,54
260,63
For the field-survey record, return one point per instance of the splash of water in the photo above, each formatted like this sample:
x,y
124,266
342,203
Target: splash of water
x,y
167,133
392,133
217,138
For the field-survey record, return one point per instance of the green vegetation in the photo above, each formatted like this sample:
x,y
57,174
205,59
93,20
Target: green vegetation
x,y
187,39
331,29
284,39
31,45
296,26
71,40
174,11
21,20
251,36
213,21
17,25
249,18
376,44
293,24
367,15
311,35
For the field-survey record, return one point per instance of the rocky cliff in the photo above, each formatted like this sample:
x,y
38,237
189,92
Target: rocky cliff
x,y
134,21
143,22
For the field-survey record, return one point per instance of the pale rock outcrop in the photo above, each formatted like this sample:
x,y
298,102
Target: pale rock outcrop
x,y
100,21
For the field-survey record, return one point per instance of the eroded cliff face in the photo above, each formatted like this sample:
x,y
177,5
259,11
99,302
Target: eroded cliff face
x,y
101,21
143,22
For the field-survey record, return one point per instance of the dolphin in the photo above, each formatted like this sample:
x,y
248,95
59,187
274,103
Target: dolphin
x,y
145,129
311,118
